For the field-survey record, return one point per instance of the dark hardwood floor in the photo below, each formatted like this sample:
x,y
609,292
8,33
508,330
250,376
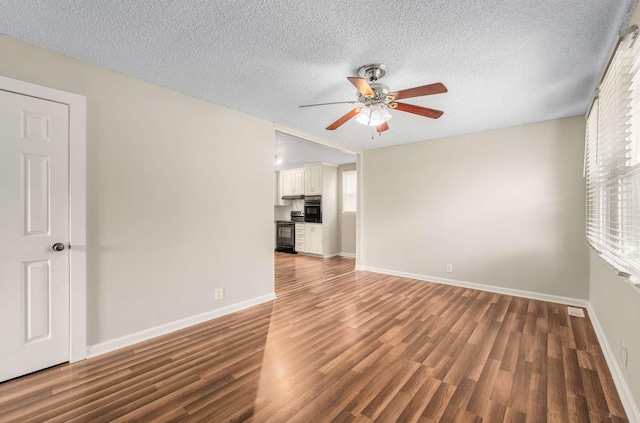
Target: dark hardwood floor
x,y
345,346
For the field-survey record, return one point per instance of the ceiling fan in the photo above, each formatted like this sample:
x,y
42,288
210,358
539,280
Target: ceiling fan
x,y
375,99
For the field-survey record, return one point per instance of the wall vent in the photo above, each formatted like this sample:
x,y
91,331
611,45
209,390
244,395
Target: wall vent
x,y
575,311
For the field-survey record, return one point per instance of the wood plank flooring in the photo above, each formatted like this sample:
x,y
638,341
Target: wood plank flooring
x,y
343,346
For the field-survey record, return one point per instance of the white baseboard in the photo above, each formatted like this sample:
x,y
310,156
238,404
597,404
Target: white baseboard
x,y
143,335
318,255
481,287
630,406
348,255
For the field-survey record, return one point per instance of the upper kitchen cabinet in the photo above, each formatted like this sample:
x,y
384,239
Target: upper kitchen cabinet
x,y
293,181
320,179
313,179
278,189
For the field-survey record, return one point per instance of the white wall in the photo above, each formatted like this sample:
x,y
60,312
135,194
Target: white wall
x,y
284,212
505,207
180,196
617,307
346,222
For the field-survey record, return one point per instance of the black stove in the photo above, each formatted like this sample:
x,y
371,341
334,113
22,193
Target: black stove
x,y
297,216
285,236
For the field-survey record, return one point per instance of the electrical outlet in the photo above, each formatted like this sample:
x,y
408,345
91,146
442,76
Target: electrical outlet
x,y
219,293
449,268
624,355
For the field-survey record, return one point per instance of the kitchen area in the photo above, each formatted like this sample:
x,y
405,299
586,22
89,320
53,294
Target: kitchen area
x,y
314,199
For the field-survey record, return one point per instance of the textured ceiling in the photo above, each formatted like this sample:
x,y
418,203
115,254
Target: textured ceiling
x,y
294,153
505,62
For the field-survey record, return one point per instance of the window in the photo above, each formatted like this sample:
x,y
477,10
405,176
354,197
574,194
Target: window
x,y
349,191
612,162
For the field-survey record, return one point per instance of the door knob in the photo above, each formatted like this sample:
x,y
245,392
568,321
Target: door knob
x,y
58,246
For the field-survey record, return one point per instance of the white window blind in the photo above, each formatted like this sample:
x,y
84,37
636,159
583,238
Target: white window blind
x,y
612,162
592,177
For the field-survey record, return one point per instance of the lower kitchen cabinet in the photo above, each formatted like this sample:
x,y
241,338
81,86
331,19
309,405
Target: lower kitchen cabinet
x,y
300,244
313,238
310,239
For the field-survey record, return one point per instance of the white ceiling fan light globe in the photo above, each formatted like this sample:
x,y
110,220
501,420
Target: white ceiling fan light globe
x,y
379,115
373,115
364,115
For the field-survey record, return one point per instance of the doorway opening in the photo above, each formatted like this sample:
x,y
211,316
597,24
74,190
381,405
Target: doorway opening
x,y
316,207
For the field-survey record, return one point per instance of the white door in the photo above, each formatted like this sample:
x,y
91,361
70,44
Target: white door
x,y
34,215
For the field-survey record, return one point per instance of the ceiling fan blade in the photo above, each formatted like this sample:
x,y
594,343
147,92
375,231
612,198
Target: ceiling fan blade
x,y
382,127
417,110
338,123
437,88
361,85
325,104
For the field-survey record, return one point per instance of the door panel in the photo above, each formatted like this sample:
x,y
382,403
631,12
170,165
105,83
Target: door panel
x,y
34,215
37,295
35,206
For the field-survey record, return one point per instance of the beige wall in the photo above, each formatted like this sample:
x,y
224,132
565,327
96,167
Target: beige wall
x,y
180,194
617,307
347,222
504,207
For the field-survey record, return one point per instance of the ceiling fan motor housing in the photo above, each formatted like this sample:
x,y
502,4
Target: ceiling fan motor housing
x,y
372,72
380,93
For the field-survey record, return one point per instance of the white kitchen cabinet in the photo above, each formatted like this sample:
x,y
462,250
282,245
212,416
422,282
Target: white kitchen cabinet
x,y
298,182
278,189
287,182
313,238
300,244
293,181
313,179
319,239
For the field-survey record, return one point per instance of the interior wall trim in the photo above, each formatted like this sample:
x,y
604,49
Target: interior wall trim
x,y
630,406
482,287
348,255
146,334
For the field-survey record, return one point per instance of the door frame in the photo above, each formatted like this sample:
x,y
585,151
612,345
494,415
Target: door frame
x,y
77,206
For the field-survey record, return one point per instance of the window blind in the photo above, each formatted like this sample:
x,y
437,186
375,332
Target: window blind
x,y
591,174
612,161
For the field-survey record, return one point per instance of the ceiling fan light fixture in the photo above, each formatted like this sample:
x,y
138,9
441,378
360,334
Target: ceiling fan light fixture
x,y
373,115
376,98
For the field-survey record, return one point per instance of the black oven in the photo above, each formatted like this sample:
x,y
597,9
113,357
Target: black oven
x,y
313,208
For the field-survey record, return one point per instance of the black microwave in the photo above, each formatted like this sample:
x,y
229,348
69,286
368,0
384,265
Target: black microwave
x,y
313,208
